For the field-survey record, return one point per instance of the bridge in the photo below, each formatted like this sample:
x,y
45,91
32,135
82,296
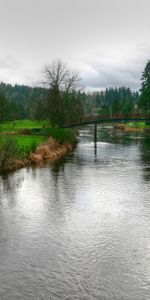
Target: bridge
x,y
87,120
105,119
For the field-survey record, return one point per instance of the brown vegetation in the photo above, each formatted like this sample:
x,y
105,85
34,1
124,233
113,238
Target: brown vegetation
x,y
48,152
127,128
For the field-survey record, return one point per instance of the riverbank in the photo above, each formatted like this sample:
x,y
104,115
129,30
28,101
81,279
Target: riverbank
x,y
133,127
59,224
48,152
25,143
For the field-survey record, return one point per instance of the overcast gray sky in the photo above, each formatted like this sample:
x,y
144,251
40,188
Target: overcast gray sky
x,y
107,41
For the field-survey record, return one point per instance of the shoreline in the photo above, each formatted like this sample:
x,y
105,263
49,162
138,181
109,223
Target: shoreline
x,y
127,128
45,153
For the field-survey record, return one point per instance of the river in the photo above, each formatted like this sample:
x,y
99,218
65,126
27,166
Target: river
x,y
79,229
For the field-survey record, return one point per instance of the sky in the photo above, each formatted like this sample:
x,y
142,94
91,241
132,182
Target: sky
x,y
106,41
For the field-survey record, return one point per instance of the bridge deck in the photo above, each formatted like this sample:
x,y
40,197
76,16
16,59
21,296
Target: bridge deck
x,y
108,120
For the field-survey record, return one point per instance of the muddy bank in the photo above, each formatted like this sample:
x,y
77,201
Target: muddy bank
x,y
48,152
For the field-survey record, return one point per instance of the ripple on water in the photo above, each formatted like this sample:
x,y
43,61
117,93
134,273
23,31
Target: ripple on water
x,y
79,229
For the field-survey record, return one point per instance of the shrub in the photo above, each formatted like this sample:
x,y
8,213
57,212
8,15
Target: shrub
x,y
9,150
62,135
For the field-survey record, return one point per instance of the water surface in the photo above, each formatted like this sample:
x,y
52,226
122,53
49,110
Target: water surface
x,y
79,229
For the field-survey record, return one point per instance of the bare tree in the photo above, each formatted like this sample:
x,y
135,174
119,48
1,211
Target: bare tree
x,y
59,76
62,83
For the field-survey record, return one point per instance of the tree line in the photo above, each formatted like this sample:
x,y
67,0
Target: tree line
x,y
111,101
61,100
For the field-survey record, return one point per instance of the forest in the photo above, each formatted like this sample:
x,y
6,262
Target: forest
x,y
24,102
61,102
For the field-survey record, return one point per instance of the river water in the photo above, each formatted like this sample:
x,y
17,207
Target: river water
x,y
79,229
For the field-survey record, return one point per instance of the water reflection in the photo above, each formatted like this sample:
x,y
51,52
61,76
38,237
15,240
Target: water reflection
x,y
79,229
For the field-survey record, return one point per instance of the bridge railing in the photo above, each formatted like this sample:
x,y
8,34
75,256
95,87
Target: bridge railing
x,y
116,116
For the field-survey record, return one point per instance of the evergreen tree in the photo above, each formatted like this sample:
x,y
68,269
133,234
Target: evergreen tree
x,y
144,102
4,109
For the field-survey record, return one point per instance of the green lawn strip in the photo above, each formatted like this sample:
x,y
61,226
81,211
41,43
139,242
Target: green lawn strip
x,y
60,134
136,124
24,124
26,140
141,125
28,143
25,143
15,146
22,144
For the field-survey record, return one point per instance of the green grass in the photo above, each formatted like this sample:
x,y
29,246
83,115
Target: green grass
x,y
28,140
63,135
23,124
25,143
28,143
21,138
141,125
136,124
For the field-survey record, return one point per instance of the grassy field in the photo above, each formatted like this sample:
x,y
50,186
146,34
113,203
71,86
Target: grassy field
x,y
141,125
32,136
136,124
24,143
24,124
28,143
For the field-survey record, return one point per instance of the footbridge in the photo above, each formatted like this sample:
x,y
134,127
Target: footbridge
x,y
103,119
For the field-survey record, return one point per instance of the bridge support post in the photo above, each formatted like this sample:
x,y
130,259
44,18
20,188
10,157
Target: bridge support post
x,y
95,138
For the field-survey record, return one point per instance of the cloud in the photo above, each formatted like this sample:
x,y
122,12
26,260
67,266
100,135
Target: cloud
x,y
98,70
105,69
13,71
9,63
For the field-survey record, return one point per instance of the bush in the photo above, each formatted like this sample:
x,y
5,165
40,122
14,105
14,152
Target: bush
x,y
9,151
62,135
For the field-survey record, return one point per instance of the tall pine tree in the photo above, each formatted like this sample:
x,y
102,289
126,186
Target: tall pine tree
x,y
144,102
